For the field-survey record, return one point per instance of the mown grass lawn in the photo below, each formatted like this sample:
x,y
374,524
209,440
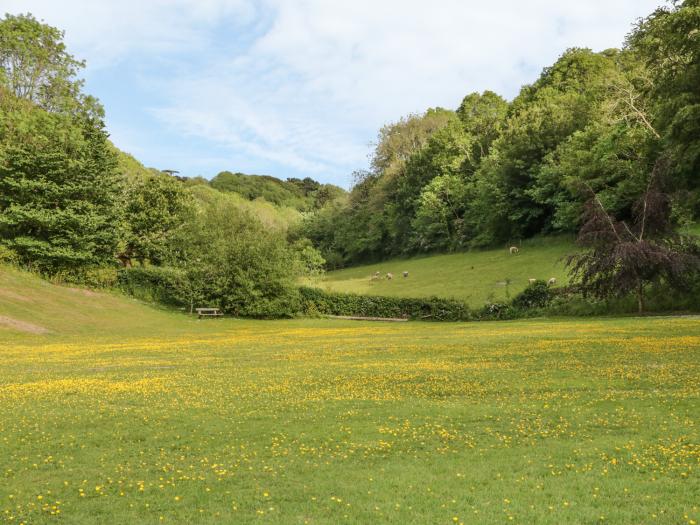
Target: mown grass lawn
x,y
230,421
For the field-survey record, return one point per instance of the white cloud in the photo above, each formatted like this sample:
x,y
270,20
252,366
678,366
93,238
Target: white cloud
x,y
107,31
310,87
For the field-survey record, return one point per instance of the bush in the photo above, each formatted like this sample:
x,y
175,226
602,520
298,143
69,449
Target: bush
x,y
315,301
536,295
7,255
497,311
154,283
92,277
176,287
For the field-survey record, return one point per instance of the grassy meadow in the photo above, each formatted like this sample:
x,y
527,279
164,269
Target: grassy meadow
x,y
319,421
476,277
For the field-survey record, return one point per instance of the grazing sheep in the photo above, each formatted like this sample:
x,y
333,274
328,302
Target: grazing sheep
x,y
374,277
514,250
552,281
405,274
532,281
389,276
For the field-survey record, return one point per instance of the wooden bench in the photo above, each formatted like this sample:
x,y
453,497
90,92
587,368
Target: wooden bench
x,y
208,312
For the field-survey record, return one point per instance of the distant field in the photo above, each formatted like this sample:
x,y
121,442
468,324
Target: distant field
x,y
476,277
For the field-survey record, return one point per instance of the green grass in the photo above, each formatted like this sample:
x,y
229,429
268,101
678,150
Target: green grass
x,y
318,421
476,277
65,310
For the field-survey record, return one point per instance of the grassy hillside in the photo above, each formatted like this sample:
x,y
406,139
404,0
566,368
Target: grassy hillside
x,y
476,277
30,306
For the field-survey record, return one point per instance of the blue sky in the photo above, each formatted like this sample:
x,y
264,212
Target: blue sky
x,y
300,87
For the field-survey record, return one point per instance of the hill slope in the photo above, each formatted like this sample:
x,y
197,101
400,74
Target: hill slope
x,y
30,305
476,277
302,195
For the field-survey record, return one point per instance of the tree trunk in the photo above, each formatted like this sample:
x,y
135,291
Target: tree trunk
x,y
640,296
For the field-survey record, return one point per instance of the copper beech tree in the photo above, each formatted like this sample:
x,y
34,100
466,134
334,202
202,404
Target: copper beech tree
x,y
624,257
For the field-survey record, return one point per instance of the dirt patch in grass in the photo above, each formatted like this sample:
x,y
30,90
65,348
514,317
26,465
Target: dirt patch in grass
x,y
22,326
83,291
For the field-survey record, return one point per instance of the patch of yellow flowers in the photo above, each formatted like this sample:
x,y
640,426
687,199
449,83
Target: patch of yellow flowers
x,y
210,423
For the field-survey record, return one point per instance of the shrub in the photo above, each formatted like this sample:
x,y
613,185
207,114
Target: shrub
x,y
92,277
7,255
536,295
315,301
155,283
494,311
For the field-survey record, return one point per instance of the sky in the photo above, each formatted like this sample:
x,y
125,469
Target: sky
x,y
296,88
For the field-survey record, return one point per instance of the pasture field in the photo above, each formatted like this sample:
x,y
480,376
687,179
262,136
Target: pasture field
x,y
476,277
319,422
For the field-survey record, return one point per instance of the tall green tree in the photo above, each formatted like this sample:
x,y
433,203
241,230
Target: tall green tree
x,y
668,42
232,261
58,187
563,100
35,65
154,208
483,116
58,184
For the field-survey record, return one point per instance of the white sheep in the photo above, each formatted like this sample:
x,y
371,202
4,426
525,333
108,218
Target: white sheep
x,y
389,276
552,281
514,250
405,274
532,281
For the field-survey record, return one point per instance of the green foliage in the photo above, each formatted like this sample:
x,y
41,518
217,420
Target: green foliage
x,y
668,43
35,66
58,184
58,187
7,256
446,155
536,295
438,221
564,100
162,285
318,302
606,158
483,116
232,261
154,208
302,195
98,277
310,259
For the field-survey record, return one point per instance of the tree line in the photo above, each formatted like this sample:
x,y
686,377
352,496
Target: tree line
x,y
72,205
494,171
605,144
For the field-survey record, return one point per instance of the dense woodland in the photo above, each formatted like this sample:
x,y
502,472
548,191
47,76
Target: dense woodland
x,y
495,171
593,128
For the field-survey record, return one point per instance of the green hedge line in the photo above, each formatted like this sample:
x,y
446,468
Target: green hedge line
x,y
315,301
153,283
